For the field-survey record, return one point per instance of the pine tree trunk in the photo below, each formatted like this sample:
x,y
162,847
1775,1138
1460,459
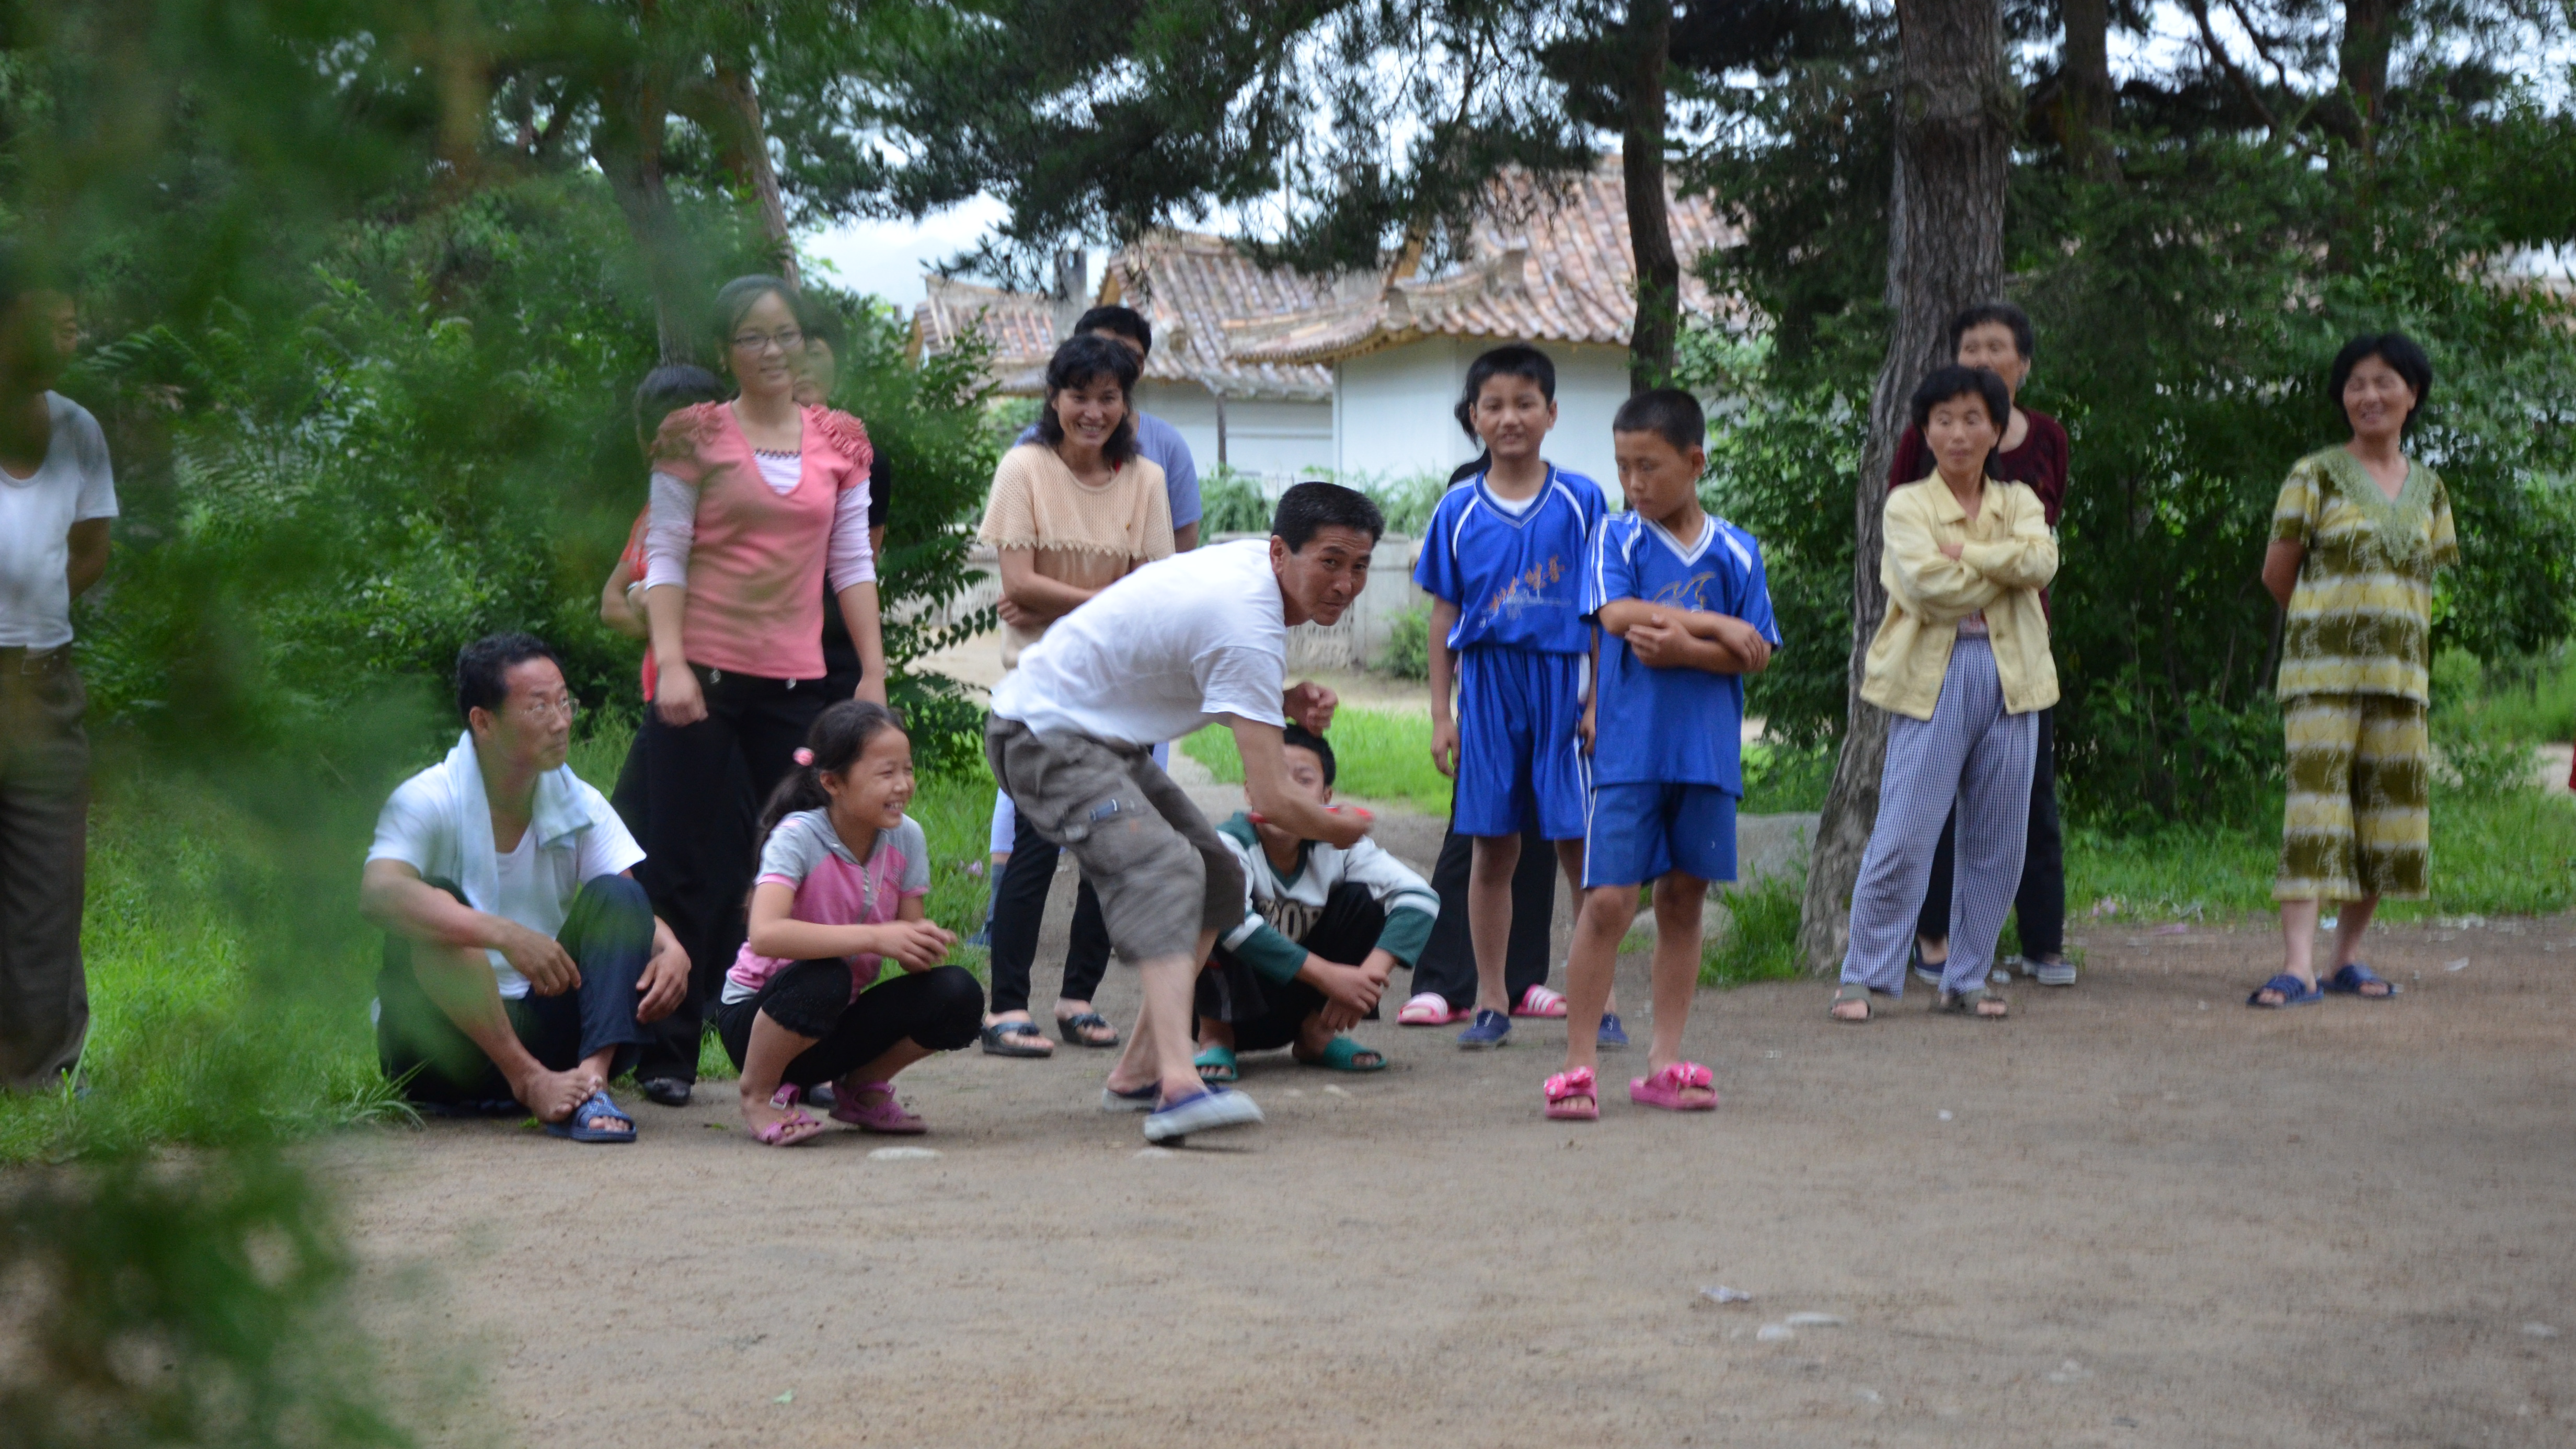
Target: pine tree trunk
x,y
2369,30
1944,252
1655,334
750,161
628,147
2084,85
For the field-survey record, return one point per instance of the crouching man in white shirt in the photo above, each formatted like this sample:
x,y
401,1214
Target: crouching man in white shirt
x,y
1183,642
522,961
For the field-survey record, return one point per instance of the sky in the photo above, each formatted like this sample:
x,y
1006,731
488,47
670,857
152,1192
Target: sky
x,y
888,257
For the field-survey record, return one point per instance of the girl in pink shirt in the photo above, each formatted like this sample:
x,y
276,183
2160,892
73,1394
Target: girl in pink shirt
x,y
838,897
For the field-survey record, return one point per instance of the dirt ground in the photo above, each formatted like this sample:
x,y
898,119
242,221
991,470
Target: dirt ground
x,y
2135,1214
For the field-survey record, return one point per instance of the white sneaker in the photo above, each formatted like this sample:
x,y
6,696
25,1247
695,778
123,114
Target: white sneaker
x,y
2053,973
1208,1111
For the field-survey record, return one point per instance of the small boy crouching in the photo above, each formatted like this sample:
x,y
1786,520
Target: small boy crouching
x,y
1323,928
1684,614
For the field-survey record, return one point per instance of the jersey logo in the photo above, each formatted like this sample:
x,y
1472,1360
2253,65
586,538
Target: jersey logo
x,y
1524,591
1292,919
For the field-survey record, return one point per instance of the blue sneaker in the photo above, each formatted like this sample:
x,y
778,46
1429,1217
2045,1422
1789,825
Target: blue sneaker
x,y
1489,1029
1200,1112
1614,1037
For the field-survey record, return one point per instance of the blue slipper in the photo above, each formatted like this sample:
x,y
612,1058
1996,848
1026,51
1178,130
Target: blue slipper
x,y
2294,992
2350,980
1613,1037
1490,1029
599,1105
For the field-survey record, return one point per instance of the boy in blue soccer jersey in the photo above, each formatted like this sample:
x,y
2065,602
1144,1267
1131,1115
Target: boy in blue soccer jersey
x,y
1685,614
1503,563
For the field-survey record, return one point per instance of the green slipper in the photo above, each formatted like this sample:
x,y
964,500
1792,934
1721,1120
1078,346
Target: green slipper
x,y
1217,1065
1342,1054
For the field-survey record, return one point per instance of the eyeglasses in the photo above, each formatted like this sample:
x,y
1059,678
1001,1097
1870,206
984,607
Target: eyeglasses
x,y
540,711
786,339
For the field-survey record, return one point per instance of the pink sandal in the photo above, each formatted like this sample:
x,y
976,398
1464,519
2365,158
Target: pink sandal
x,y
797,1127
1539,1001
1664,1089
1566,1088
885,1116
1429,1008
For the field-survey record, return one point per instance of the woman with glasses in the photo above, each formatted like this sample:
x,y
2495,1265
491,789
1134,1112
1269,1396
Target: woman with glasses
x,y
759,508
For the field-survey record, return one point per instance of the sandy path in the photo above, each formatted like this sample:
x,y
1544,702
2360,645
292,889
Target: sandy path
x,y
2149,1217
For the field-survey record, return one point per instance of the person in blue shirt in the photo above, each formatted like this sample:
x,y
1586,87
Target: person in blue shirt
x,y
1503,563
1684,614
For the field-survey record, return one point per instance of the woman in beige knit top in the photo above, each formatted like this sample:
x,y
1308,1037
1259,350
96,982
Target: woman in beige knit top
x,y
1071,514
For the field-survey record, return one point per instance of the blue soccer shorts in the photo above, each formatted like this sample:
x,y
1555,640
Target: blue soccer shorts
x,y
1518,755
1641,833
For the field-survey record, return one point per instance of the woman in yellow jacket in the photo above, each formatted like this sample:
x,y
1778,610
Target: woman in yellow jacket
x,y
1962,660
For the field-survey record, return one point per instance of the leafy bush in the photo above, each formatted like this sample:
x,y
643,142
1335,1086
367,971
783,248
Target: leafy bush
x,y
1760,942
1780,779
1407,501
1408,645
1232,502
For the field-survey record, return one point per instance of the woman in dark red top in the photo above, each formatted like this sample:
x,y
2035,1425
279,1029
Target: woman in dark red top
x,y
1996,336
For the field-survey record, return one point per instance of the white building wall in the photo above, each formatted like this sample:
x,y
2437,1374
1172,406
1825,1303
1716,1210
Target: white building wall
x,y
1270,438
1395,419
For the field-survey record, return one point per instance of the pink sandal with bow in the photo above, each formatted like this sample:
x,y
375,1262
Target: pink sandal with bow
x,y
885,1116
1574,1096
1664,1089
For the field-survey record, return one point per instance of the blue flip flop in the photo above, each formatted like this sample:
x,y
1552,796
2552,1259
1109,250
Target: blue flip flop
x,y
599,1105
2353,977
2294,992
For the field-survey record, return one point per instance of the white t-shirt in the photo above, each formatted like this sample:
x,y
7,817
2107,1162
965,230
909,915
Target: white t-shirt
x,y
73,484
573,838
1161,652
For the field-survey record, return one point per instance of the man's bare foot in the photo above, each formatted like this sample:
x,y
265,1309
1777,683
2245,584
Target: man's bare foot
x,y
553,1096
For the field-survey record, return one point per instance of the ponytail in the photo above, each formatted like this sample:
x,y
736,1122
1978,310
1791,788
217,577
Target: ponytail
x,y
835,742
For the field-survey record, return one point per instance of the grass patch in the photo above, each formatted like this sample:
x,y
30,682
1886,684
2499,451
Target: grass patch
x,y
1760,942
1378,754
2512,853
1782,780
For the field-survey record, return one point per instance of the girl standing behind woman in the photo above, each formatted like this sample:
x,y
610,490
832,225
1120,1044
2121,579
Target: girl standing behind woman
x,y
1071,514
843,873
756,504
2356,536
1962,660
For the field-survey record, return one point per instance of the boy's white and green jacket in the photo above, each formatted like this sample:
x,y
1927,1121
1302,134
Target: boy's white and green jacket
x,y
1282,907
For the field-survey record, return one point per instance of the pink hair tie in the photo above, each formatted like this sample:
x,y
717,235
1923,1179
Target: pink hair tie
x,y
803,756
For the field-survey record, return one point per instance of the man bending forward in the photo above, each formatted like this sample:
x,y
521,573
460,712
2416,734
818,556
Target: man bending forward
x,y
1183,642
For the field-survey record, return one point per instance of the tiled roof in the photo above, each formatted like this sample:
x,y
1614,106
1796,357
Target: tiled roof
x,y
1541,267
1193,288
1020,325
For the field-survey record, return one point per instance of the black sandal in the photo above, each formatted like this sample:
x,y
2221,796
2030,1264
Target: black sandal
x,y
1076,1029
999,1040
666,1091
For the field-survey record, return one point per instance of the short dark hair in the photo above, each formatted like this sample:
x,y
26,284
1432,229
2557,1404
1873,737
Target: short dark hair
x,y
1989,312
1667,411
1512,359
735,299
666,390
1080,360
1298,737
1122,321
1952,381
1312,505
823,325
483,669
2402,354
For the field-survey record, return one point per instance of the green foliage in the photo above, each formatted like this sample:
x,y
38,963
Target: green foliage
x,y
1781,779
1408,645
1406,501
2527,698
1760,942
152,1306
1232,502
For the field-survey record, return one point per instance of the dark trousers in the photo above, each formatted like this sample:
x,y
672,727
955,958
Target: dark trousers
x,y
2040,903
44,851
1019,906
704,784
940,1009
1266,1014
609,935
1448,963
